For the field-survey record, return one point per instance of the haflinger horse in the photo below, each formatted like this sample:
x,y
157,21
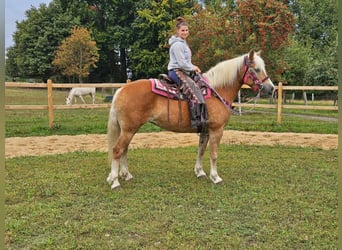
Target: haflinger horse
x,y
80,92
135,104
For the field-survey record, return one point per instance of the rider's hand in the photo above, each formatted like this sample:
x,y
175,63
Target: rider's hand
x,y
197,70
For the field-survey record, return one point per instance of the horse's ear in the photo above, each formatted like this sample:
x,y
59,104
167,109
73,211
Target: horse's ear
x,y
251,55
259,52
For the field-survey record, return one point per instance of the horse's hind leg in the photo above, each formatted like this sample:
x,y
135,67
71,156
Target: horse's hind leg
x,y
124,173
203,141
82,99
119,156
112,178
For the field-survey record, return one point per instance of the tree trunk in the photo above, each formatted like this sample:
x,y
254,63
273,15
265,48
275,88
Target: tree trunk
x,y
123,65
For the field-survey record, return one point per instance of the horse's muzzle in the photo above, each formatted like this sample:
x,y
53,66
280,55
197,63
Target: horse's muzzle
x,y
267,87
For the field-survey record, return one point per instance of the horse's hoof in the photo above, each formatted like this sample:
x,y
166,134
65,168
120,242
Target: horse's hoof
x,y
115,186
202,176
200,173
110,180
126,176
216,180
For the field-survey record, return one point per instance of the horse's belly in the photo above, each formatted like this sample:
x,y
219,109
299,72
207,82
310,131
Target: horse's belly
x,y
172,115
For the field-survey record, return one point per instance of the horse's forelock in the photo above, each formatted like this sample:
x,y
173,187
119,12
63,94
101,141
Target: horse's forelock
x,y
225,72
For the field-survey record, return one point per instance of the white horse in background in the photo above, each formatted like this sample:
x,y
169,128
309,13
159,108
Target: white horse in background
x,y
80,92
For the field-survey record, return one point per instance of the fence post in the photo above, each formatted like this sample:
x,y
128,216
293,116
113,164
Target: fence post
x,y
305,98
50,103
280,95
239,100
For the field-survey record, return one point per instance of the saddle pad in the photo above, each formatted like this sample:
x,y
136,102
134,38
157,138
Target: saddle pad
x,y
171,92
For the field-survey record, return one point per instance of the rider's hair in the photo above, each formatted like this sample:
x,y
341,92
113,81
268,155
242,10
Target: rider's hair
x,y
181,22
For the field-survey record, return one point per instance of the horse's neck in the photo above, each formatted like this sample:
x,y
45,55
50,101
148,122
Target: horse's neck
x,y
229,93
71,94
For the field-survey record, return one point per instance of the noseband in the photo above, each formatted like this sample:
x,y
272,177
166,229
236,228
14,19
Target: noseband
x,y
250,74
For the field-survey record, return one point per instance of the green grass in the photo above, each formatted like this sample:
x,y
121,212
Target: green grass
x,y
266,122
271,198
94,121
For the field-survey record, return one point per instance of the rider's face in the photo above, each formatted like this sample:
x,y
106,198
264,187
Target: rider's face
x,y
183,32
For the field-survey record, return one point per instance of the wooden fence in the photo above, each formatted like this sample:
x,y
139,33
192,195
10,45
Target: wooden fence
x,y
51,107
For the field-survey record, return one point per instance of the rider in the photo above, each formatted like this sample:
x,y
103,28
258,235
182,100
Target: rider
x,y
180,53
182,72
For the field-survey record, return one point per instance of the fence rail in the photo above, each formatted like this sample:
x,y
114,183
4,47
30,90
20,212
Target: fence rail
x,y
51,107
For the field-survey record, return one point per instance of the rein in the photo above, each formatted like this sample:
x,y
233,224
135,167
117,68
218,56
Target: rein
x,y
217,95
224,101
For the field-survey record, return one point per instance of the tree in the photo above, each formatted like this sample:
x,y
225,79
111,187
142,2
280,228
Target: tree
x,y
263,24
110,22
11,68
36,39
130,34
148,53
297,36
77,54
316,31
308,56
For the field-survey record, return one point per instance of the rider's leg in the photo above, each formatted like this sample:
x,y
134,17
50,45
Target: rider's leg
x,y
173,76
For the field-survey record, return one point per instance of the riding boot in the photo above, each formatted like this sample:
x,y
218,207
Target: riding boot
x,y
198,112
198,116
194,114
203,111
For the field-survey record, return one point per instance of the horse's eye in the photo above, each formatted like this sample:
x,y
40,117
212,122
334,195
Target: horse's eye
x,y
257,70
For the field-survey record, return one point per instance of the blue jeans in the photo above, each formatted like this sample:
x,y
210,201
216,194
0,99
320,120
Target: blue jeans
x,y
173,76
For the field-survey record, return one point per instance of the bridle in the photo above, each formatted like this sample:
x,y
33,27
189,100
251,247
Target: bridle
x,y
251,74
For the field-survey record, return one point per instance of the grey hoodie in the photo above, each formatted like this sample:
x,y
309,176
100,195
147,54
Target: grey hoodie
x,y
180,55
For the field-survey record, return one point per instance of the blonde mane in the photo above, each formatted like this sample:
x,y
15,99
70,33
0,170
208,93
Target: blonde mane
x,y
226,72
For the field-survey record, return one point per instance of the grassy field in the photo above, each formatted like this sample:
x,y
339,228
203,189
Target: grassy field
x,y
272,198
82,121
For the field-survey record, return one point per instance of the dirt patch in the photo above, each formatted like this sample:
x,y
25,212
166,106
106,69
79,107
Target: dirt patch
x,y
58,144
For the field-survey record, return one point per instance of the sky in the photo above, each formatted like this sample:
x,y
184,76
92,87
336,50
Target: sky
x,y
15,11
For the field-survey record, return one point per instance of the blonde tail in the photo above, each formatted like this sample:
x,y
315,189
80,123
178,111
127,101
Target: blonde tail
x,y
113,128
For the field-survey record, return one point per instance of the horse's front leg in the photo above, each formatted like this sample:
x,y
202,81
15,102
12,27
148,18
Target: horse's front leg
x,y
214,145
203,141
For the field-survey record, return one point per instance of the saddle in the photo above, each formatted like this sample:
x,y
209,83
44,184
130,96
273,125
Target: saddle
x,y
192,90
167,79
